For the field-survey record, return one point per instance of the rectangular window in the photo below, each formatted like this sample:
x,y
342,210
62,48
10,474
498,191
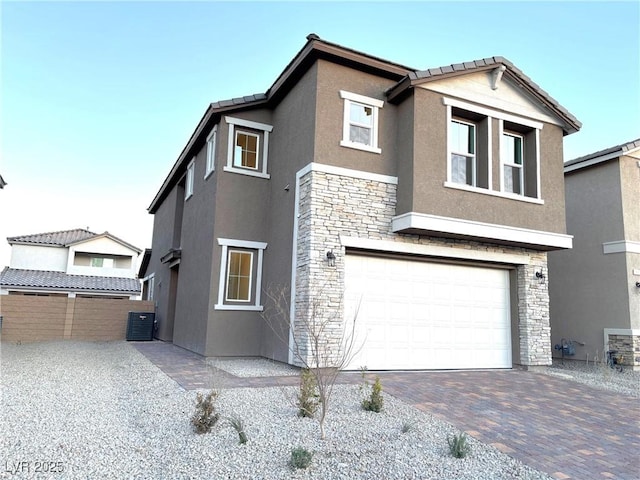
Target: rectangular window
x,y
360,127
246,150
240,282
462,142
102,262
211,151
188,188
239,267
511,150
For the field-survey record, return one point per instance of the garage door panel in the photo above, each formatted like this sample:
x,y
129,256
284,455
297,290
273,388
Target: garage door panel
x,y
420,315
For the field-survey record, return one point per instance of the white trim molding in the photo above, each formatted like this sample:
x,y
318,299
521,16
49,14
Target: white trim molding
x,y
265,129
621,246
494,193
492,113
346,172
470,228
225,243
375,105
434,250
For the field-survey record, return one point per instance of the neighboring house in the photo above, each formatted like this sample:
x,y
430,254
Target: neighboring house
x,y
426,200
595,287
72,262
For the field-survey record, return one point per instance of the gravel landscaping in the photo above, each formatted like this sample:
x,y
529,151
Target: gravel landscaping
x,y
102,410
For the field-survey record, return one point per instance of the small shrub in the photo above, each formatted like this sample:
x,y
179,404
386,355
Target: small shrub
x,y
238,425
375,401
458,445
406,427
300,458
205,416
308,399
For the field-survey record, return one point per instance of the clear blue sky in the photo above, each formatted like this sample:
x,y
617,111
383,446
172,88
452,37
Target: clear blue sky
x,y
99,98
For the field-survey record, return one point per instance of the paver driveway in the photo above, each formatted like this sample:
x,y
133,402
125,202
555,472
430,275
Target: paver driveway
x,y
569,430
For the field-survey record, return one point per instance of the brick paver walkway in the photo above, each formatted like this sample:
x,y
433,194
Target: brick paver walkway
x,y
566,429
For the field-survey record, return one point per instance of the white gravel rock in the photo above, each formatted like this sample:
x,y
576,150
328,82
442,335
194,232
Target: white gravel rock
x,y
254,367
102,410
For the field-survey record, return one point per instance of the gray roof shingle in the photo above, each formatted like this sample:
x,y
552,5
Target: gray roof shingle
x,y
61,238
40,279
621,149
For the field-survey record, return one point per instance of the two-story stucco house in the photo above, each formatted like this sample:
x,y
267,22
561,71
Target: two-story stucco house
x,y
424,200
595,291
69,263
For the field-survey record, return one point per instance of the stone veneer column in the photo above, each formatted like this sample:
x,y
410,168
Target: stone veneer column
x,y
533,312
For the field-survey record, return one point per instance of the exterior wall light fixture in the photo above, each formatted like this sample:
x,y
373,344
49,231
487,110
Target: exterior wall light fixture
x,y
540,276
637,284
331,258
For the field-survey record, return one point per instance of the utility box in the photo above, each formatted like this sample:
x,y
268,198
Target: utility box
x,y
140,326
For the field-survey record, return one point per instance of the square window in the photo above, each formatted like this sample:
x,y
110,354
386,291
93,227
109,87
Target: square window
x,y
240,275
246,150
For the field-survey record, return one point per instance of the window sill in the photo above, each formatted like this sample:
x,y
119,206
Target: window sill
x,y
493,193
254,308
360,146
249,173
208,174
187,197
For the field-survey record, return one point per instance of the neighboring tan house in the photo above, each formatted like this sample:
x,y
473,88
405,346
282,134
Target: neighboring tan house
x,y
71,263
595,287
425,200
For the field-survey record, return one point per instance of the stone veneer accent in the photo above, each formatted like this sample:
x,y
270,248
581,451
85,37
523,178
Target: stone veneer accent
x,y
628,346
331,205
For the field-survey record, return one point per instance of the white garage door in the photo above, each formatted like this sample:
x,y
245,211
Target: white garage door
x,y
421,315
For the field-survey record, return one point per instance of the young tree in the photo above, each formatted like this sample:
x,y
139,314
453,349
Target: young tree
x,y
321,337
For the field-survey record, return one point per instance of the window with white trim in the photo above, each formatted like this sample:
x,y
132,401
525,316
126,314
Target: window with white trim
x,y
248,147
240,279
211,151
519,159
469,151
360,122
188,188
512,167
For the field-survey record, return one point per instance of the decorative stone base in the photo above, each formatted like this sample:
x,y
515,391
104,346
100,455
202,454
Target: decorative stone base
x,y
628,348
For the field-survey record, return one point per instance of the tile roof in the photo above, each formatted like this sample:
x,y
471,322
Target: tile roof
x,y
61,238
619,149
39,279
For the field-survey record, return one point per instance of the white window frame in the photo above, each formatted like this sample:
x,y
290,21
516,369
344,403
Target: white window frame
x,y
188,186
501,117
211,151
150,280
375,104
231,251
474,159
233,123
235,144
229,243
506,162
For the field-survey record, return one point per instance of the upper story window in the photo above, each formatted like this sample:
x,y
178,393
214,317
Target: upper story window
x,y
360,122
511,150
469,159
462,141
102,262
188,187
211,151
240,280
248,147
246,150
